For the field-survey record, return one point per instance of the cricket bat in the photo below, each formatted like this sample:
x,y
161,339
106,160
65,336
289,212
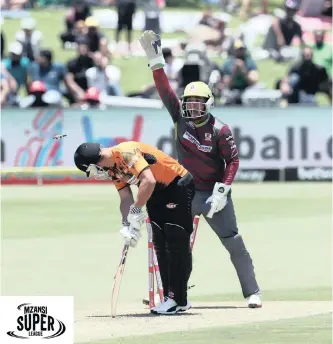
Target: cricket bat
x,y
117,281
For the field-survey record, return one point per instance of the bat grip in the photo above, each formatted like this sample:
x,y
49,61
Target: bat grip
x,y
210,213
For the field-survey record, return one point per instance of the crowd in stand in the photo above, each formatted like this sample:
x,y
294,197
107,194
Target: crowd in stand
x,y
30,75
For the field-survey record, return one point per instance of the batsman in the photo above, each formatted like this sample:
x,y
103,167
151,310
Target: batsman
x,y
206,148
166,188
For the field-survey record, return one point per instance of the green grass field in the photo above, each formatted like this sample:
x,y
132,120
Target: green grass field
x,y
64,240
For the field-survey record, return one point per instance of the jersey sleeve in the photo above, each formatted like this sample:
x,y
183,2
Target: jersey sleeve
x,y
251,65
298,31
119,184
139,166
134,161
229,153
62,71
71,67
227,67
168,97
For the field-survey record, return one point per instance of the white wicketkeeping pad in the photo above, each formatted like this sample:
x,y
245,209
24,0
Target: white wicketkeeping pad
x,y
35,318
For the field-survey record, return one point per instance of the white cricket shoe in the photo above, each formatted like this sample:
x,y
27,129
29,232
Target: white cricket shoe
x,y
185,308
169,307
254,301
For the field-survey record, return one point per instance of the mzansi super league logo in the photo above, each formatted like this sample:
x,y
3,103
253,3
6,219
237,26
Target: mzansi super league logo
x,y
36,322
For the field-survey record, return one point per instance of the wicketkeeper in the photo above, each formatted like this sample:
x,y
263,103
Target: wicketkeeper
x,y
167,190
206,148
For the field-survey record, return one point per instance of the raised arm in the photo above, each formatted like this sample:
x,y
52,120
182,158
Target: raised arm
x,y
151,44
168,97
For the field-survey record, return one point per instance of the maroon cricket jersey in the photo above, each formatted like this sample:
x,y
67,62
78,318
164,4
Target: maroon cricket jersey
x,y
207,150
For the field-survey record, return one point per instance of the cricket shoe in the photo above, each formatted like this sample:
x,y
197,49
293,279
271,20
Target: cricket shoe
x,y
254,301
157,300
169,307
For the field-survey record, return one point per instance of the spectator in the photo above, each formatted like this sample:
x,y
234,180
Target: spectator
x,y
45,70
96,39
229,47
30,38
246,8
305,79
172,68
239,72
322,52
17,65
2,45
103,76
13,5
40,97
230,6
8,87
327,10
209,20
36,92
152,10
210,30
126,10
197,64
71,38
92,98
5,90
79,12
76,77
283,30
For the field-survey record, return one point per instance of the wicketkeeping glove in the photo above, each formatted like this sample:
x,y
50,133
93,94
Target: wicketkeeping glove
x,y
151,44
218,199
136,217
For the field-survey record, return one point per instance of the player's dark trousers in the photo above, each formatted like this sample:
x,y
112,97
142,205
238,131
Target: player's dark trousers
x,y
125,19
224,224
170,212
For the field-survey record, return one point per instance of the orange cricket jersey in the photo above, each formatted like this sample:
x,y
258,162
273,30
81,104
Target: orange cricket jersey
x,y
131,159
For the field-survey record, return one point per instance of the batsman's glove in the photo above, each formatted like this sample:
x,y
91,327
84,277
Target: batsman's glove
x,y
218,199
131,235
136,217
151,44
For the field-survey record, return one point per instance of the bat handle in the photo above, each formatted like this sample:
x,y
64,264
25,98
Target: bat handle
x,y
210,213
